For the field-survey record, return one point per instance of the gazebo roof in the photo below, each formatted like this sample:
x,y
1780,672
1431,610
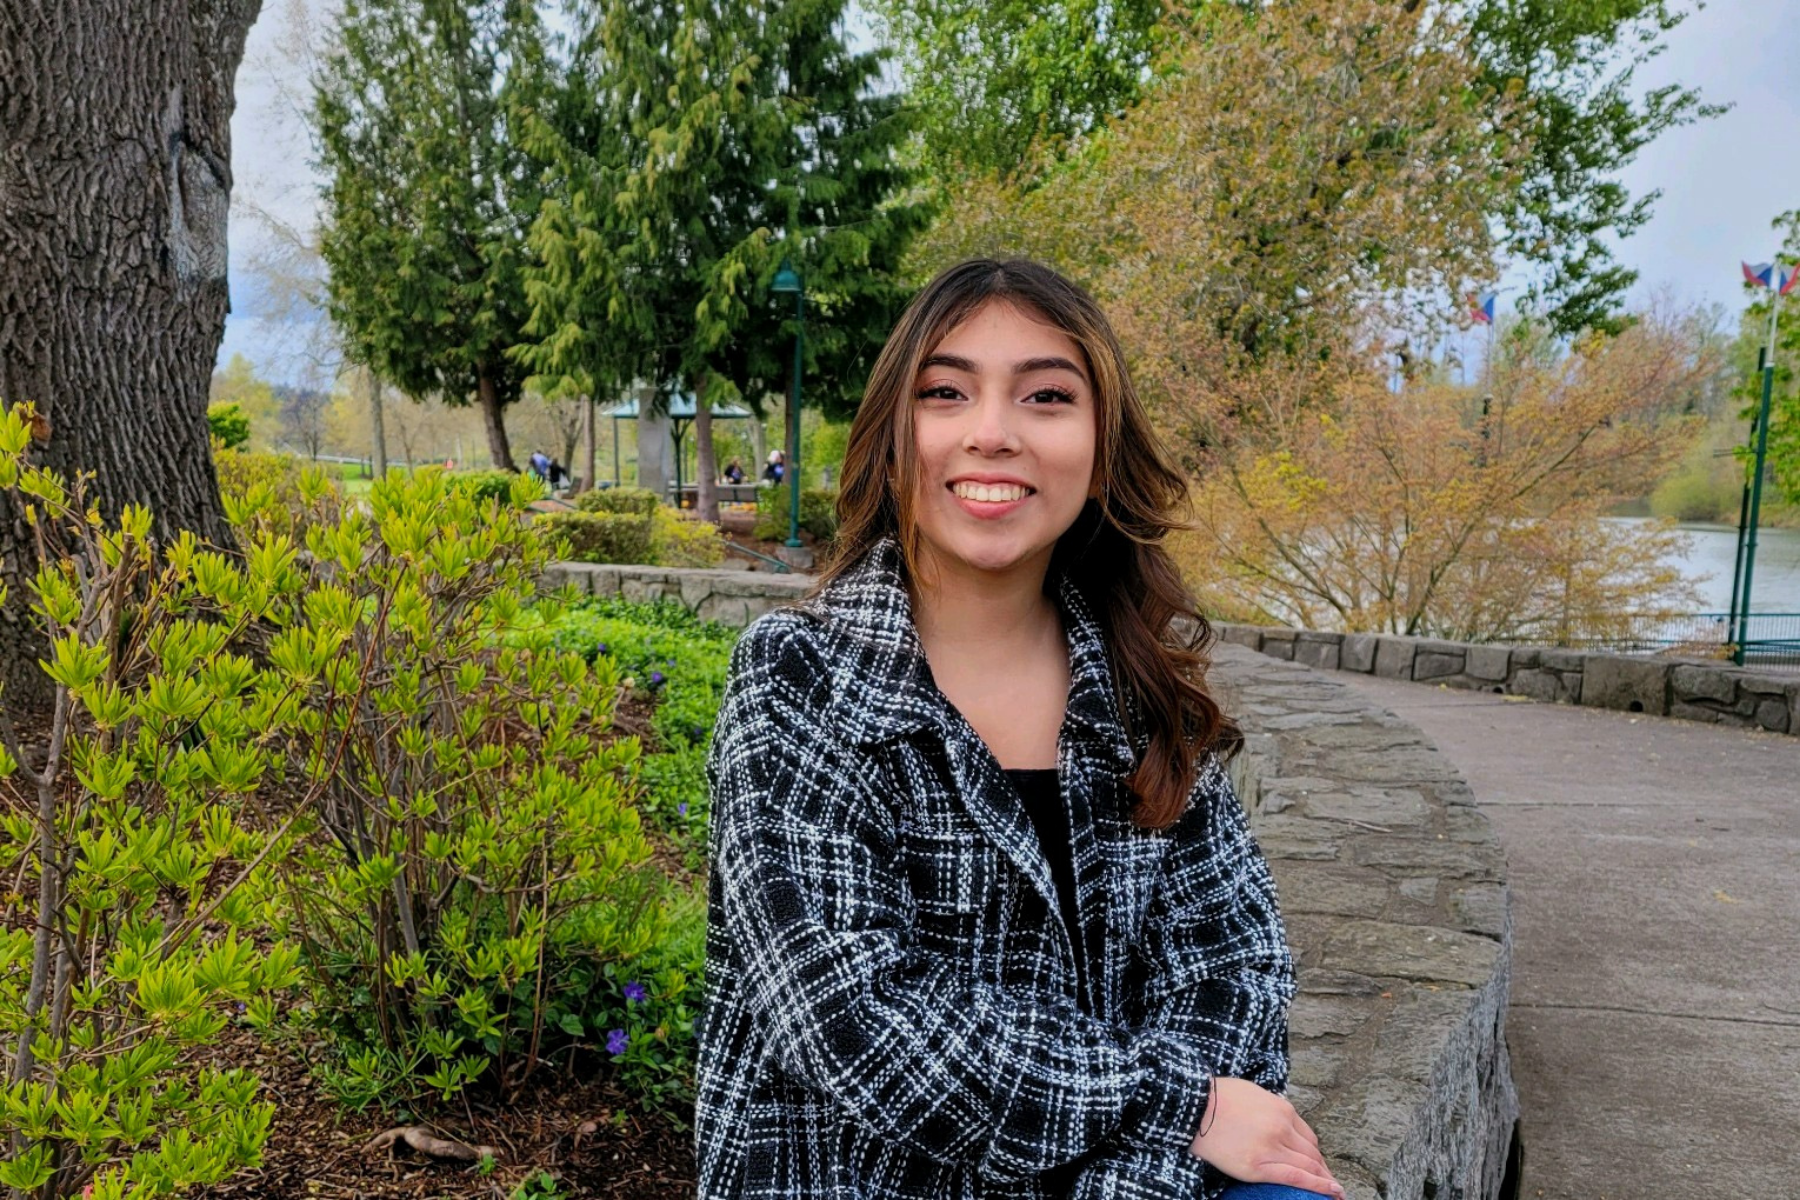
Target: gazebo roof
x,y
682,408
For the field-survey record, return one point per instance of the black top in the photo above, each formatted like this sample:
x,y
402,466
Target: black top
x,y
1041,791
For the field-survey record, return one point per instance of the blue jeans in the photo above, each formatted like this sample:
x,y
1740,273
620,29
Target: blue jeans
x,y
1268,1191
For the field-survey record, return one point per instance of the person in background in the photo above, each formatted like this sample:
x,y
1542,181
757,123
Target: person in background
x,y
733,472
540,465
776,468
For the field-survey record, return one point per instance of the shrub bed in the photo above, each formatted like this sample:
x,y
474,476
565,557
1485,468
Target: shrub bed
x,y
818,513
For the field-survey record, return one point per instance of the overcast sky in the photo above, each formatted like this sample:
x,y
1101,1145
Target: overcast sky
x,y
1723,181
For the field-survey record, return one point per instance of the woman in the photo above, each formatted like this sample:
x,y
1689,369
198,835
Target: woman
x,y
985,918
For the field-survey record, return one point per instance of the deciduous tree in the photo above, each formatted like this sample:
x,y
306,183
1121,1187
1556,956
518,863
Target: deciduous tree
x,y
115,166
1422,511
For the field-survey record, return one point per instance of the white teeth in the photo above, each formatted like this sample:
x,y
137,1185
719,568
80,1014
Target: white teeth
x,y
992,493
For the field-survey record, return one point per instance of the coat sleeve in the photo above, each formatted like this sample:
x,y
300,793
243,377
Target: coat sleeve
x,y
810,888
1215,968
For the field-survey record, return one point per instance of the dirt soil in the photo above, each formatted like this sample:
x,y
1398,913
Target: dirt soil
x,y
589,1138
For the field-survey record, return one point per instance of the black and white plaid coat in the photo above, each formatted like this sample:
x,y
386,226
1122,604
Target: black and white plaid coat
x,y
892,1003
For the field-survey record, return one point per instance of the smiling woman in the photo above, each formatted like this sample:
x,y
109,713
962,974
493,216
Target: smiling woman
x,y
985,915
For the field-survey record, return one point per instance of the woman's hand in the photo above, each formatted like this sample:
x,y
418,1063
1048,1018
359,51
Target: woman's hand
x,y
1255,1136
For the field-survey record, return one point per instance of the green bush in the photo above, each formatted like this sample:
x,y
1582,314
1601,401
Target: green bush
x,y
472,861
818,513
229,424
601,537
132,947
515,488
639,501
683,541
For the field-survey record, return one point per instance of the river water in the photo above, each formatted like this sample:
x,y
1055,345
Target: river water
x,y
1776,587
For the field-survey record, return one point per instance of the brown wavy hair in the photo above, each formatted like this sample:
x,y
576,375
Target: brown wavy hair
x,y
1114,553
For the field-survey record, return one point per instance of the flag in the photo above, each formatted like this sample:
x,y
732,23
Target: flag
x,y
1772,275
1481,307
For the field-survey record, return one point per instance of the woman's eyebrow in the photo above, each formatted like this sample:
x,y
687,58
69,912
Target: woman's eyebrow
x,y
1053,363
957,362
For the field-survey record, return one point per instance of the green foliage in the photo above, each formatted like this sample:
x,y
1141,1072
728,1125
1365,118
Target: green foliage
x,y
601,537
818,513
640,501
472,861
679,662
1006,88
1574,64
132,949
229,425
684,541
699,148
429,194
512,487
1784,409
997,80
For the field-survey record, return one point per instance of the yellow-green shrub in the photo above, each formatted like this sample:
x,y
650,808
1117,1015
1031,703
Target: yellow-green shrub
x,y
682,541
600,537
637,501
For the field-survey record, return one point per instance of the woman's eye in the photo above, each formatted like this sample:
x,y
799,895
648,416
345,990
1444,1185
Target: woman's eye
x,y
1052,396
942,391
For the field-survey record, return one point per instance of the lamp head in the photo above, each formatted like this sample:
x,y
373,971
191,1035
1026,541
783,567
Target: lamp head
x,y
787,280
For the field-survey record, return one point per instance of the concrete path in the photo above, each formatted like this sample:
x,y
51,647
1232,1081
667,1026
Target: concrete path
x,y
1655,872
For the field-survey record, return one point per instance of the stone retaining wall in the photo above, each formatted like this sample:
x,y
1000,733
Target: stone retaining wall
x,y
1694,690
1393,886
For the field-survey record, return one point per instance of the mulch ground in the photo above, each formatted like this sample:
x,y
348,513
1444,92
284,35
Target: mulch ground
x,y
589,1138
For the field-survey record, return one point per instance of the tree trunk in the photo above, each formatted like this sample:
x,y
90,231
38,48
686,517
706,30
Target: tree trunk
x,y
377,430
593,432
493,418
115,182
706,481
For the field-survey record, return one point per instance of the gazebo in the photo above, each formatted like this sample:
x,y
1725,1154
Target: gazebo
x,y
681,414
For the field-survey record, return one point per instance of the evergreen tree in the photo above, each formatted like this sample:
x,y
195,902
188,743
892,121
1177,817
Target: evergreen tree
x,y
430,196
726,136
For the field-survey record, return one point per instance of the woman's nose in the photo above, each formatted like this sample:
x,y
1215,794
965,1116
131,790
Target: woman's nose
x,y
990,427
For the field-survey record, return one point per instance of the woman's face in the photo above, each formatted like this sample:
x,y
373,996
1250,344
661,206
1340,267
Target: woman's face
x,y
1005,427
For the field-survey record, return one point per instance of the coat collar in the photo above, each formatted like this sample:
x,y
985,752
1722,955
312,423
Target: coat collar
x,y
882,688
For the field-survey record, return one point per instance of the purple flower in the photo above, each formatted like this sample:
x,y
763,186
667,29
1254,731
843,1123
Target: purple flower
x,y
635,994
656,678
668,662
600,649
682,808
616,1041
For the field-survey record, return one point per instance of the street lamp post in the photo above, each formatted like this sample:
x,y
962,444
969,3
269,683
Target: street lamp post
x,y
787,280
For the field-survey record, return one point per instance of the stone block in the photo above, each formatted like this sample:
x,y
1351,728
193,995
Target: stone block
x,y
1539,685
733,611
1436,664
1524,658
1358,653
1317,650
1278,643
1625,683
1426,953
1480,908
1394,657
1488,663
1238,635
1563,660
1683,711
1772,714
1691,682
1762,685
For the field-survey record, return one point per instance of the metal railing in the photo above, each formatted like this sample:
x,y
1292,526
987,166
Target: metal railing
x,y
1771,639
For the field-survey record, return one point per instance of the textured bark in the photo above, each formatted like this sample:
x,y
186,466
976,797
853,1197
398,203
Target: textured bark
x,y
593,433
115,181
377,430
706,471
493,419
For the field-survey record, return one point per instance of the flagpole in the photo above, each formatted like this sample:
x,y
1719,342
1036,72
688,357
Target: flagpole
x,y
1756,475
